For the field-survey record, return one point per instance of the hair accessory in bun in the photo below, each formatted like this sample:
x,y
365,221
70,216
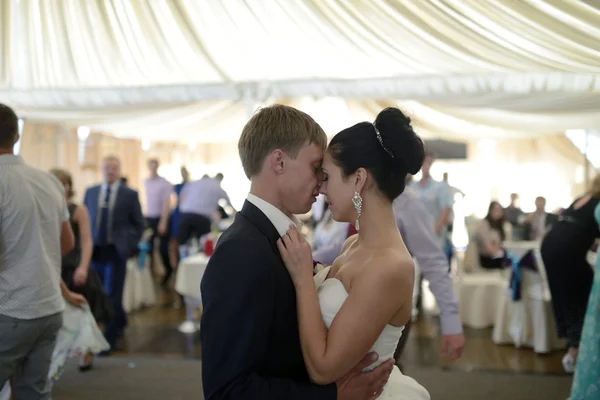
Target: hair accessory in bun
x,y
381,141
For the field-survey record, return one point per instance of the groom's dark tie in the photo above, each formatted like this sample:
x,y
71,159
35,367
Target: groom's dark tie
x,y
102,233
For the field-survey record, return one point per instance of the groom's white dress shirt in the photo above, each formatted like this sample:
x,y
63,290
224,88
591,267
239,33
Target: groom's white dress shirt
x,y
280,221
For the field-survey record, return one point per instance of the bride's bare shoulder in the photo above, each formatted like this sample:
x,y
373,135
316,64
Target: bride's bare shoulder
x,y
349,242
395,260
391,265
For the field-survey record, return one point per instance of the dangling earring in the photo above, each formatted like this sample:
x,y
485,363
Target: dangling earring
x,y
357,201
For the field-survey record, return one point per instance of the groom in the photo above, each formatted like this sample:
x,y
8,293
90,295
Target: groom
x,y
249,335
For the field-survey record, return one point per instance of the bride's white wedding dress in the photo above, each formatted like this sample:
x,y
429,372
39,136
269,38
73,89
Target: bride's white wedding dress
x,y
332,295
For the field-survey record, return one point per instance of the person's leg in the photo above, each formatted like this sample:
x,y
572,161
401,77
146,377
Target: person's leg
x,y
115,326
204,225
152,224
16,339
164,255
31,375
99,266
184,233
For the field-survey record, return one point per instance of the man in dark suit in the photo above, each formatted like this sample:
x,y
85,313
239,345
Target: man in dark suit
x,y
536,224
249,334
117,226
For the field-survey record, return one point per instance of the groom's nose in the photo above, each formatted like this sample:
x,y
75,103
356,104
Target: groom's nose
x,y
320,177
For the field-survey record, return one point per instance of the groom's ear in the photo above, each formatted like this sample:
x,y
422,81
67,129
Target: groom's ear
x,y
276,161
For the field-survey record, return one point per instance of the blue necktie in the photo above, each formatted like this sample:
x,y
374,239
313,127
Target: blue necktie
x,y
102,234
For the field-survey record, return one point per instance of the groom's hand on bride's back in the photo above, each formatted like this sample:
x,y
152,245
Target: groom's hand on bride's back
x,y
358,385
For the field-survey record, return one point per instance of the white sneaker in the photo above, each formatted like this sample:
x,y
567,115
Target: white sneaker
x,y
189,327
569,364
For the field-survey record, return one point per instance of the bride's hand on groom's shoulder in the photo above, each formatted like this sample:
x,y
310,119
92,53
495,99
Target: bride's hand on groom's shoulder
x,y
297,255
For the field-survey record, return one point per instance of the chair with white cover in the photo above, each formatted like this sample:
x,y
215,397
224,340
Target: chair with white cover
x,y
478,289
528,322
138,290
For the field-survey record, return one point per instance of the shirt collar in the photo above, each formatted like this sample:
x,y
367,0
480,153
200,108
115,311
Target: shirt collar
x,y
280,221
8,159
114,186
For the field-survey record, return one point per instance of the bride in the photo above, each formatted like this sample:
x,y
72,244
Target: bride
x,y
361,302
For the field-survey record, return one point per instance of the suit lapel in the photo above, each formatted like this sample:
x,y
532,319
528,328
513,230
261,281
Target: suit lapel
x,y
118,197
260,220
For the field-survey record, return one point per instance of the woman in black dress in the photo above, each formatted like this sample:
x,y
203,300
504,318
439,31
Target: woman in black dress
x,y
76,265
570,277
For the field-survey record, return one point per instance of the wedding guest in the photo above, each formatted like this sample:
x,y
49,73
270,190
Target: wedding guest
x,y
76,271
436,197
158,195
199,201
513,212
537,223
117,223
415,225
587,374
173,223
490,235
34,233
564,251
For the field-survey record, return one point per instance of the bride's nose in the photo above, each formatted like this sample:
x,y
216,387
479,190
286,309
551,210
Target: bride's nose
x,y
323,188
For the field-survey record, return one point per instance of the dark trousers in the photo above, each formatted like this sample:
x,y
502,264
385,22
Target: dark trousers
x,y
192,226
112,268
164,247
570,280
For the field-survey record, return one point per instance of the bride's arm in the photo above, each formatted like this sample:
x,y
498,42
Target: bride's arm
x,y
372,302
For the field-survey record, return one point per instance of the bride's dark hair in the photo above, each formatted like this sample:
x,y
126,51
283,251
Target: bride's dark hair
x,y
389,149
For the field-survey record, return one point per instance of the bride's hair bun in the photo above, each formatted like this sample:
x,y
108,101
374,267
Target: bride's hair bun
x,y
388,148
400,139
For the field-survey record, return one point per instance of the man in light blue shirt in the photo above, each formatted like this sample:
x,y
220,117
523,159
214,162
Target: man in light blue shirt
x,y
415,225
436,198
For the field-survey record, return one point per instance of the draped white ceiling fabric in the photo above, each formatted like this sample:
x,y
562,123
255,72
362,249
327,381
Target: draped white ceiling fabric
x,y
192,70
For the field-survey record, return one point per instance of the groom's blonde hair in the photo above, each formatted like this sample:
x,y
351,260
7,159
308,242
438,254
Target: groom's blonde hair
x,y
277,127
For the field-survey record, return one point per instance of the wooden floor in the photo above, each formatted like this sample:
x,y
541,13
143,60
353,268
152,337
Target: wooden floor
x,y
153,331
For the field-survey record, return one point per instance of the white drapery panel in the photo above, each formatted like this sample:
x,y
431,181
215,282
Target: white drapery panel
x,y
222,121
513,91
188,69
121,43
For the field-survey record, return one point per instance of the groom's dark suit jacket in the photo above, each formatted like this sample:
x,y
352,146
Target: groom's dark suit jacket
x,y
249,332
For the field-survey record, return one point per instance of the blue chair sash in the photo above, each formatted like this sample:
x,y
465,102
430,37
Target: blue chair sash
x,y
144,249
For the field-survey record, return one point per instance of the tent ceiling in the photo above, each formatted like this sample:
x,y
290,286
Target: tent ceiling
x,y
136,66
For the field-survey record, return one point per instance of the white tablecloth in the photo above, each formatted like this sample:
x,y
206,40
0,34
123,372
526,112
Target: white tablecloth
x,y
189,275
